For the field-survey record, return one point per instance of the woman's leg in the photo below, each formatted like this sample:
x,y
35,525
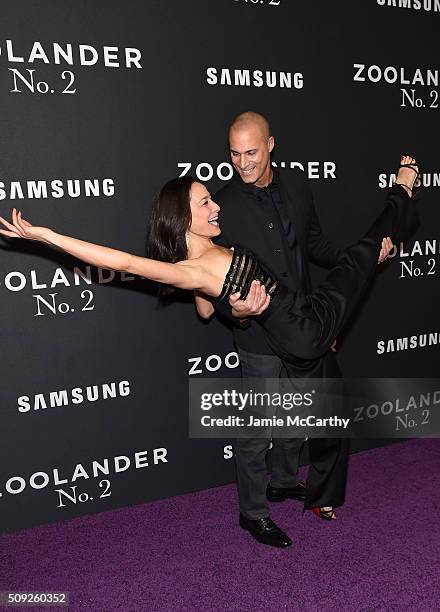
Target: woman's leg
x,y
327,476
327,473
302,327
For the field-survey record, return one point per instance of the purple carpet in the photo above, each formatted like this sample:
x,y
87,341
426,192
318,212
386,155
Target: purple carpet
x,y
188,553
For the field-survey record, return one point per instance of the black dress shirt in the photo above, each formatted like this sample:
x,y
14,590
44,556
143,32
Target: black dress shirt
x,y
287,232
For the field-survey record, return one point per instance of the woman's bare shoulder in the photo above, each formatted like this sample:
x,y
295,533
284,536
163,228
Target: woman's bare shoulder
x,y
215,261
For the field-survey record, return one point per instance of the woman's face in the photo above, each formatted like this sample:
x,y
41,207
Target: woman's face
x,y
204,212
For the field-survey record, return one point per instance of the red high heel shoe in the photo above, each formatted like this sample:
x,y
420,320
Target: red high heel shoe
x,y
326,515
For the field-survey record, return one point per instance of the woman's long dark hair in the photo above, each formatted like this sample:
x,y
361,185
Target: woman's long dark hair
x,y
169,222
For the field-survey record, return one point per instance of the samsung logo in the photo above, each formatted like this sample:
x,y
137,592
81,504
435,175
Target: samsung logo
x,y
403,344
416,5
239,77
427,179
57,188
78,395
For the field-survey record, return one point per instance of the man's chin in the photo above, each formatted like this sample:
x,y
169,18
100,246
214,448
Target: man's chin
x,y
249,178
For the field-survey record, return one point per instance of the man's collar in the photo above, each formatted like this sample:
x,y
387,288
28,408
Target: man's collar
x,y
253,189
275,177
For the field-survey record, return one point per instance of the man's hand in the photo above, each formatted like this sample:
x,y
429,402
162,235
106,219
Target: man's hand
x,y
256,302
387,247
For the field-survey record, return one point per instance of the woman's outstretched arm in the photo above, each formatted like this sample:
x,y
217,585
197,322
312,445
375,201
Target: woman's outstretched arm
x,y
182,274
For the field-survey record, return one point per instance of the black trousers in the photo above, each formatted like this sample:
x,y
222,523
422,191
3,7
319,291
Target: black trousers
x,y
328,457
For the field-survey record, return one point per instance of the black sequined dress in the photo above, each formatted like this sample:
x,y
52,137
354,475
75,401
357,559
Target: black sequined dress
x,y
244,269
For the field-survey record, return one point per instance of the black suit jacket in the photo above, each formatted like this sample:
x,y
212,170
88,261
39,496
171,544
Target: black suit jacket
x,y
245,222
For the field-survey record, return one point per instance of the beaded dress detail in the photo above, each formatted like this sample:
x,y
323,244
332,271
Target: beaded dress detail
x,y
243,270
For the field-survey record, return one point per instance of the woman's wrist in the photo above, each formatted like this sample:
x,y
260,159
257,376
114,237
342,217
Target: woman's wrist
x,y
50,237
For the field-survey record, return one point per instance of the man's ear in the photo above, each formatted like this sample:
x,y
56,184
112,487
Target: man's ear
x,y
271,143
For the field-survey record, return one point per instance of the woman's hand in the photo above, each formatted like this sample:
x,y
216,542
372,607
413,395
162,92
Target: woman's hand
x,y
20,228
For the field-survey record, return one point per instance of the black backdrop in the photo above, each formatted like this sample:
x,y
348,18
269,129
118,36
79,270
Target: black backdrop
x,y
364,88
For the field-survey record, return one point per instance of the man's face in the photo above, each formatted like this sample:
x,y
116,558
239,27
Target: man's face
x,y
250,150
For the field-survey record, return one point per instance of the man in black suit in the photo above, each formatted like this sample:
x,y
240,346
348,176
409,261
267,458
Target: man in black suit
x,y
272,213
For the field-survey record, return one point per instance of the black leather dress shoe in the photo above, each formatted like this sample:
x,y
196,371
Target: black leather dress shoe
x,y
281,494
265,531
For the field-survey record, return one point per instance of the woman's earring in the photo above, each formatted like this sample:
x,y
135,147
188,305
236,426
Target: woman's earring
x,y
187,239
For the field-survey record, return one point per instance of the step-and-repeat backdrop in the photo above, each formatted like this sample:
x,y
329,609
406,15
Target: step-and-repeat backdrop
x,y
101,103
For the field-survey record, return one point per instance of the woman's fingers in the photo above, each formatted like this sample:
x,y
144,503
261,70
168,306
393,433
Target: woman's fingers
x,y
16,229
10,231
20,223
14,219
9,234
16,223
7,224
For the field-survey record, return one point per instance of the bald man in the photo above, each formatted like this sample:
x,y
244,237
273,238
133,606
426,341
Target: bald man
x,y
272,213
